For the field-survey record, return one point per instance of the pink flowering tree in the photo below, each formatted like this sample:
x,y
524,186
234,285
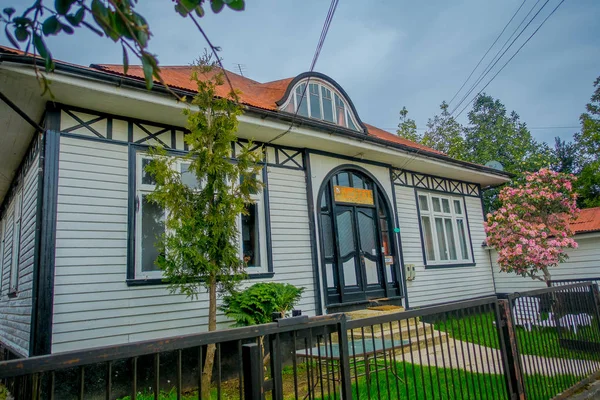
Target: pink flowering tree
x,y
530,231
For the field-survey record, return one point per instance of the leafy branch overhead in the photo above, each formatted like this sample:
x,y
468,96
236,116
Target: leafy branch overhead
x,y
115,19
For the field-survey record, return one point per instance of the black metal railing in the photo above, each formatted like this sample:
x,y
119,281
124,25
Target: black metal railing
x,y
557,337
481,349
562,282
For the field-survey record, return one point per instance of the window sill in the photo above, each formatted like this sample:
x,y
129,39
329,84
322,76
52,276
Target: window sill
x,y
11,295
161,281
472,264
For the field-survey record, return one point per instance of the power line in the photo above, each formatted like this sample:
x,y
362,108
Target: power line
x,y
499,56
488,50
513,56
324,31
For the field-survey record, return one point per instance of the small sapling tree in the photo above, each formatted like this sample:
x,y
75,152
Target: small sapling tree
x,y
199,248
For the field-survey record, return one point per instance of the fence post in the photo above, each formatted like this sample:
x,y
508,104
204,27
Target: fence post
x,y
345,383
509,351
253,367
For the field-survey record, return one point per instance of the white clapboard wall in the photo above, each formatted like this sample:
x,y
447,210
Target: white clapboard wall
x,y
583,262
93,306
15,311
441,285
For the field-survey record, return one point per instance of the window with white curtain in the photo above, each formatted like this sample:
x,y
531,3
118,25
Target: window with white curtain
x,y
444,226
314,98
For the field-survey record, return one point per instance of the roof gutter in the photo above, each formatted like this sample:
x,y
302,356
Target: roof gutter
x,y
159,88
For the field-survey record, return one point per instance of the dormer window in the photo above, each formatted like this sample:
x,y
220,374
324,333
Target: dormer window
x,y
320,101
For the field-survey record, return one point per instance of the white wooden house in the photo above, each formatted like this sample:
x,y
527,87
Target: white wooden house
x,y
583,263
352,213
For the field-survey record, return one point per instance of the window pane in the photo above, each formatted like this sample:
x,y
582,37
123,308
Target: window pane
x,y
446,205
457,207
462,236
315,103
441,238
291,107
327,235
436,204
423,205
451,240
330,275
385,237
389,272
428,238
350,123
358,182
343,179
349,268
188,178
345,230
147,179
366,228
371,271
301,99
325,200
251,236
153,226
340,110
327,104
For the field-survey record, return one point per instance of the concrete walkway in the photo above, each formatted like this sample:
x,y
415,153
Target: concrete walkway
x,y
475,358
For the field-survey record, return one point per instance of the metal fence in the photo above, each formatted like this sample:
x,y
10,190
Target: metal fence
x,y
480,349
562,282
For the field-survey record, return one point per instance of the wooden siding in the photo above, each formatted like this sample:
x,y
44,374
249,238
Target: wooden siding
x,y
93,306
444,284
583,262
15,312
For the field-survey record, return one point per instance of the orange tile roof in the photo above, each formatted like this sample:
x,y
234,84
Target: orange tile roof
x,y
588,221
256,94
252,93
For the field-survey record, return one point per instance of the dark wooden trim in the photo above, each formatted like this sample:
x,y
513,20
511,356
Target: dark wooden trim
x,y
131,208
433,183
42,315
313,232
464,203
267,208
420,227
471,264
164,281
400,270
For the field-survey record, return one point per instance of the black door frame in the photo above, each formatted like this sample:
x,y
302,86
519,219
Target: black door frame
x,y
390,289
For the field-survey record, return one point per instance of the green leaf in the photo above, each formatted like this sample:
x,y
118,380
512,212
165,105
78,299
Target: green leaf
x,y
237,5
9,11
200,11
140,32
148,71
42,50
51,26
22,21
62,6
75,19
217,6
125,60
68,30
10,37
181,10
21,33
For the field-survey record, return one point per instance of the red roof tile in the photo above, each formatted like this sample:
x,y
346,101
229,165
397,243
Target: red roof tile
x,y
588,221
261,95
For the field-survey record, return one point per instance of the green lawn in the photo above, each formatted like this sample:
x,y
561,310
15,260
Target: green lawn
x,y
480,329
420,383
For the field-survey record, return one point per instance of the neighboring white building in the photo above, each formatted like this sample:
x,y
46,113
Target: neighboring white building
x,y
347,207
583,263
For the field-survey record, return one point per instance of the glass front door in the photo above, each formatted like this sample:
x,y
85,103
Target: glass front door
x,y
357,253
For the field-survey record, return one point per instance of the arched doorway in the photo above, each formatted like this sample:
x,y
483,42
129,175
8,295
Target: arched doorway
x,y
358,251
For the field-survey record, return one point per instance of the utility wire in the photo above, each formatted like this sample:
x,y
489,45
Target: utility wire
x,y
488,50
499,56
513,56
324,31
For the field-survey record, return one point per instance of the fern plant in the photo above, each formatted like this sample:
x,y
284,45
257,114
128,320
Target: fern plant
x,y
256,304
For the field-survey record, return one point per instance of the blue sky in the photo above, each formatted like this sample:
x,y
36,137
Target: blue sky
x,y
387,54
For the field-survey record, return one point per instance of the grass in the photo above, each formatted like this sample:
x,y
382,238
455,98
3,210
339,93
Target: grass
x,y
480,329
3,392
420,382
